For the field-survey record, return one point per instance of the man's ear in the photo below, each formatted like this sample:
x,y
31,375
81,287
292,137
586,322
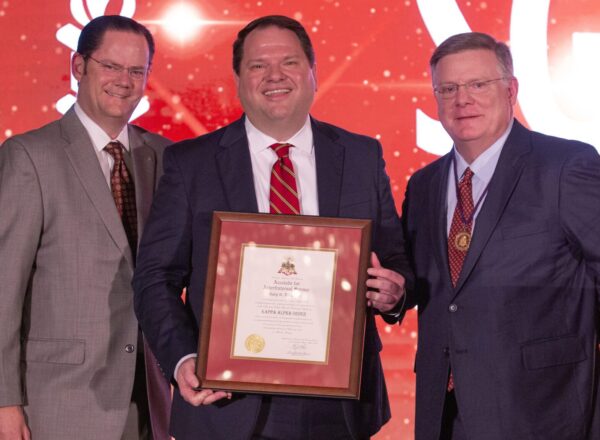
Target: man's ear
x,y
78,66
513,90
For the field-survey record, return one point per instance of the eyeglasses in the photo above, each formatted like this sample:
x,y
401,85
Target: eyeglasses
x,y
449,90
135,73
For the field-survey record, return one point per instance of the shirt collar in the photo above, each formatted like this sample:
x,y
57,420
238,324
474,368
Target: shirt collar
x,y
98,136
259,141
484,165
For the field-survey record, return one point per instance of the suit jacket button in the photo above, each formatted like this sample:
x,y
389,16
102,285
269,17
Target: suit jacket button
x,y
129,348
446,351
453,308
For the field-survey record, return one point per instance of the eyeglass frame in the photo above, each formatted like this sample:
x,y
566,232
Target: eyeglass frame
x,y
469,87
116,69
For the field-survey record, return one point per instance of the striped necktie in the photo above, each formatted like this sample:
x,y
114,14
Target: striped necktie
x,y
283,197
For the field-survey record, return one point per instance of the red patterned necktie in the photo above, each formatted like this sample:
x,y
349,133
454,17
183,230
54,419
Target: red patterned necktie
x,y
123,191
459,238
283,197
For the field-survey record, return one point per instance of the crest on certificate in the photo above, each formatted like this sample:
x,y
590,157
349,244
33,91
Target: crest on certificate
x,y
288,267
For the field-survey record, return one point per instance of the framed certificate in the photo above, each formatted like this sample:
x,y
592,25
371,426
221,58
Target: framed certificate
x,y
284,307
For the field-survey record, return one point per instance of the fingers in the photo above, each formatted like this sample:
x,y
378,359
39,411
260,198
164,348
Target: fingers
x,y
375,261
385,287
12,424
203,397
213,396
188,384
384,302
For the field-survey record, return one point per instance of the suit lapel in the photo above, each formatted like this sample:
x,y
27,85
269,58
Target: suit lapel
x,y
438,208
83,159
329,158
508,171
144,167
235,169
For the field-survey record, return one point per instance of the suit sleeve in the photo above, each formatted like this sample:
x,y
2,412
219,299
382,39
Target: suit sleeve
x,y
389,242
411,297
163,268
20,229
580,207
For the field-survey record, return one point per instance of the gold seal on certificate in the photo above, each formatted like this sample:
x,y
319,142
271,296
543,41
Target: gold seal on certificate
x,y
254,343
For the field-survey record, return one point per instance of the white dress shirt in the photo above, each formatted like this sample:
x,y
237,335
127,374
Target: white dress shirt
x,y
100,139
483,168
302,156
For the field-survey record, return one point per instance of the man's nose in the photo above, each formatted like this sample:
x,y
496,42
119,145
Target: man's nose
x,y
275,73
462,94
123,78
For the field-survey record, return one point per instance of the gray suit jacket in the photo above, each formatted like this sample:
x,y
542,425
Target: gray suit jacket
x,y
67,324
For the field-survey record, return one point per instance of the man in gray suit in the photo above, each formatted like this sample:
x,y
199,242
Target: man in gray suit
x,y
71,366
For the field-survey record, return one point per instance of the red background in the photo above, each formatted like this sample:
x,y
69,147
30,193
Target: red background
x,y
372,71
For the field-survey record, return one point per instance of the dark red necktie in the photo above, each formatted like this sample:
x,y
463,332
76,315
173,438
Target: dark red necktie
x,y
283,196
459,238
123,192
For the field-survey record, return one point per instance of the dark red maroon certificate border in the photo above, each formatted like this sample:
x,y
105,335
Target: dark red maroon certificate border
x,y
340,376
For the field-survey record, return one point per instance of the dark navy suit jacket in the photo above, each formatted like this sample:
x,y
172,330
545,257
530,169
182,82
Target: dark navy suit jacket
x,y
214,173
522,337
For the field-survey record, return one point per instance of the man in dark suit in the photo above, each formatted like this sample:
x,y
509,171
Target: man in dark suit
x,y
71,366
337,173
504,237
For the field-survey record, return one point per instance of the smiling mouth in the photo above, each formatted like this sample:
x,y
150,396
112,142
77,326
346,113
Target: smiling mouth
x,y
116,95
277,92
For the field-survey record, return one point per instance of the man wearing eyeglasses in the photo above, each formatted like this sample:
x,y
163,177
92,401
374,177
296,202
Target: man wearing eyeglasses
x,y
74,195
504,237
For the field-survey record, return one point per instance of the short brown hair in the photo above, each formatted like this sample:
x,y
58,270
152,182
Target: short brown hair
x,y
92,33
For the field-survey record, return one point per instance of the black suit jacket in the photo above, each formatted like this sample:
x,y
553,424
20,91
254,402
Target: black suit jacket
x,y
214,172
522,339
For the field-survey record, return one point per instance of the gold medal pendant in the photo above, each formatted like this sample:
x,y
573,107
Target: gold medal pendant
x,y
462,241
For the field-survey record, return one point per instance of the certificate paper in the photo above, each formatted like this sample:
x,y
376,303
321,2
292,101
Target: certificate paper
x,y
286,295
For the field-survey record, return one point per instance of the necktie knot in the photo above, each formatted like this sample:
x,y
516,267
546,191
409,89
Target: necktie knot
x,y
466,177
281,149
115,149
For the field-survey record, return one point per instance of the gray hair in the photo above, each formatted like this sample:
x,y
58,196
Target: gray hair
x,y
474,40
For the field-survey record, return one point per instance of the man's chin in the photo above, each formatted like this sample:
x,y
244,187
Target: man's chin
x,y
120,112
